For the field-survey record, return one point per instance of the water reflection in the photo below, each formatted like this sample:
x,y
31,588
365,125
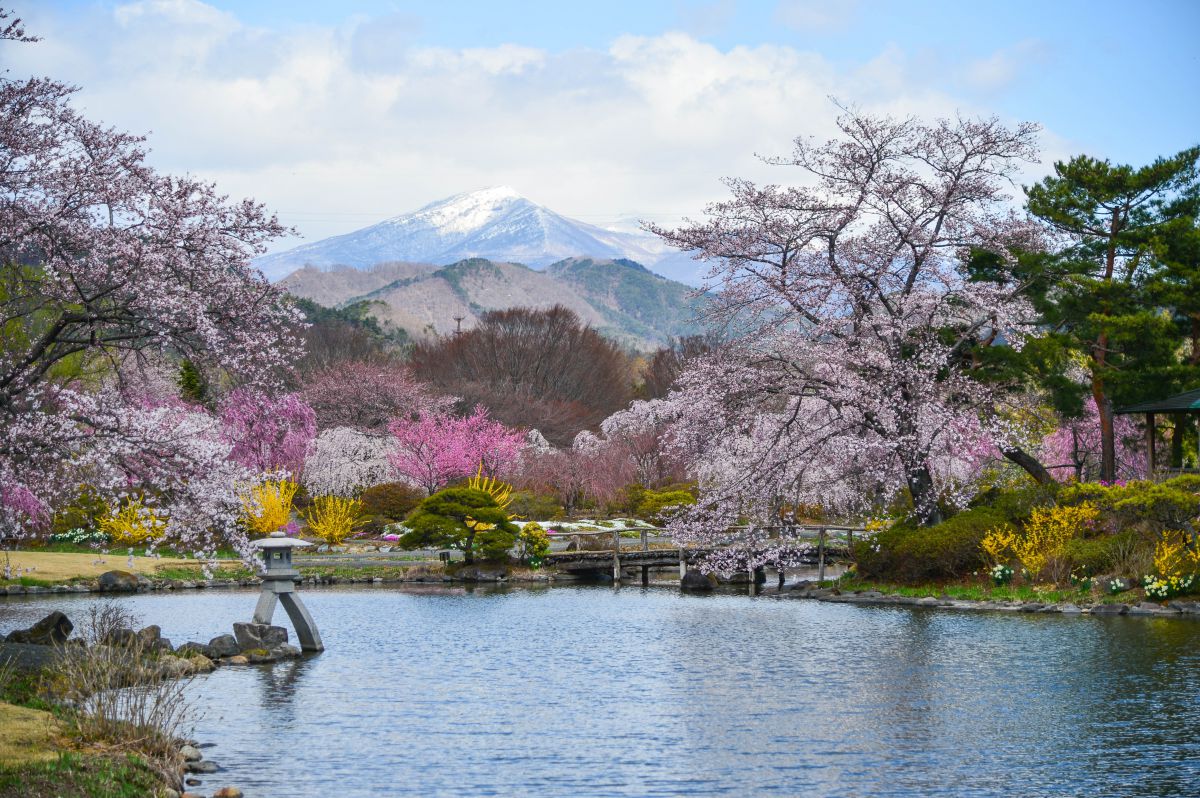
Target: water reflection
x,y
640,691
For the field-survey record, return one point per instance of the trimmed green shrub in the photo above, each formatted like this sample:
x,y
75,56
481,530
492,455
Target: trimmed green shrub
x,y
1123,553
1149,508
908,553
1016,504
392,500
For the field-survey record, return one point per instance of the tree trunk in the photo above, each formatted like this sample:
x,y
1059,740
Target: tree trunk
x,y
920,485
1108,448
1032,466
1195,358
469,549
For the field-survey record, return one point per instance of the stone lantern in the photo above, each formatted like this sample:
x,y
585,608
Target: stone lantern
x,y
278,585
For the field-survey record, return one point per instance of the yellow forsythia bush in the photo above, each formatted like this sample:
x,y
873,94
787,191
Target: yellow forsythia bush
x,y
1174,556
333,518
134,523
998,544
1042,543
268,506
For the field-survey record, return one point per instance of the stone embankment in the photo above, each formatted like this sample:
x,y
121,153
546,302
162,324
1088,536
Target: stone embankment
x,y
809,590
123,582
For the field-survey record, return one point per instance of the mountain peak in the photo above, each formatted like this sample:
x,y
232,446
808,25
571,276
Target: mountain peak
x,y
466,212
496,222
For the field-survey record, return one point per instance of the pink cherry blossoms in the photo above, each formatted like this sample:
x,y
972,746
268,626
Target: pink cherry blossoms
x,y
103,263
268,434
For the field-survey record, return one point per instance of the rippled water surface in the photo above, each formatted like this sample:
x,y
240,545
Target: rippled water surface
x,y
592,691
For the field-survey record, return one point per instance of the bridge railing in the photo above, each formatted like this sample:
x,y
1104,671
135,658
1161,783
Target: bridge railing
x,y
645,538
823,536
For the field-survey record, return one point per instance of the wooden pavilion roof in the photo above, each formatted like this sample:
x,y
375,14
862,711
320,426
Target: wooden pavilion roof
x,y
1186,402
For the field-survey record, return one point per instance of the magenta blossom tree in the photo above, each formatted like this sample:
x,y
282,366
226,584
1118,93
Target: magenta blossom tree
x,y
438,448
268,434
851,311
1074,449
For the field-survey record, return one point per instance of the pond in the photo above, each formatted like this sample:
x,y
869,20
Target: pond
x,y
595,691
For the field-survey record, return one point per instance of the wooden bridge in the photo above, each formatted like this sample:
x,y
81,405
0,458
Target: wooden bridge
x,y
651,550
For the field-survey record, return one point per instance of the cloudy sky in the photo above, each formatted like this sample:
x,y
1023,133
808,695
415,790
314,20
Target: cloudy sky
x,y
340,114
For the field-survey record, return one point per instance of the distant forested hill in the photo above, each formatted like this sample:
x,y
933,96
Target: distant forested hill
x,y
620,298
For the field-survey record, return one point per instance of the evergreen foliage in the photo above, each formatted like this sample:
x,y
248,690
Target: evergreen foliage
x,y
193,387
461,518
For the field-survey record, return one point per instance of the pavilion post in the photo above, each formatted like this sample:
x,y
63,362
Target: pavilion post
x,y
1178,430
1150,446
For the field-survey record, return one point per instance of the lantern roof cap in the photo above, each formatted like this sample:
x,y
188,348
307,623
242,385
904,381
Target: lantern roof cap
x,y
279,540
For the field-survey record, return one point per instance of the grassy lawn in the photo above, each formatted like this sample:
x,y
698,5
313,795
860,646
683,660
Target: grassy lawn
x,y
27,735
118,551
41,757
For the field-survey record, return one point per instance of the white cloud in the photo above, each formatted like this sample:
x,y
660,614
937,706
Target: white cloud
x,y
340,127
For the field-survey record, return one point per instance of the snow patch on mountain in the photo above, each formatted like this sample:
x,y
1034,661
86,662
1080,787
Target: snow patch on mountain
x,y
496,223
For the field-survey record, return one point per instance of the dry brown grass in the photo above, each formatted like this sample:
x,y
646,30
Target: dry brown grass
x,y
54,566
115,696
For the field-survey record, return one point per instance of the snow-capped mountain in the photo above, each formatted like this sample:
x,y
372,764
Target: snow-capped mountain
x,y
495,223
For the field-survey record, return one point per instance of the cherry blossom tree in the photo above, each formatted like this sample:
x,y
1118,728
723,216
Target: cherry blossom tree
x,y
589,468
851,315
638,432
268,434
437,448
367,395
103,261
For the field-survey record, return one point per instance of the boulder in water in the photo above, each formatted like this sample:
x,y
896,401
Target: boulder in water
x,y
259,635
55,628
695,582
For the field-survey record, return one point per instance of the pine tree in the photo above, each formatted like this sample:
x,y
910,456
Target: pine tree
x,y
192,385
1101,298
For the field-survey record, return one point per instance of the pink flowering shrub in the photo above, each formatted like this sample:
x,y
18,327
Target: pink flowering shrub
x,y
1072,452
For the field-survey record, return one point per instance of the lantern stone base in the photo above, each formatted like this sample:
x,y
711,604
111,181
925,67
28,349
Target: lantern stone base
x,y
306,629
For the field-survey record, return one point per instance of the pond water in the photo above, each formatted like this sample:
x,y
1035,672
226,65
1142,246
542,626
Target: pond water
x,y
595,691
